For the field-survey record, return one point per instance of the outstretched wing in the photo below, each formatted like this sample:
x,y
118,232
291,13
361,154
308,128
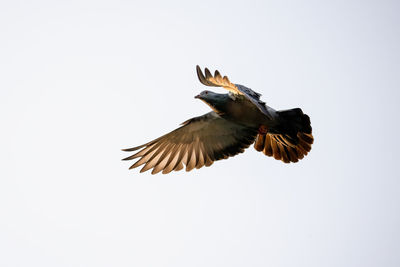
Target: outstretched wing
x,y
199,142
218,81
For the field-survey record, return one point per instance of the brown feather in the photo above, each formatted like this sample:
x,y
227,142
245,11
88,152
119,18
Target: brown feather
x,y
144,158
259,143
208,74
301,152
292,154
200,156
267,148
172,165
284,155
140,153
179,161
275,150
308,138
164,158
151,162
172,159
304,145
179,167
218,77
191,163
188,156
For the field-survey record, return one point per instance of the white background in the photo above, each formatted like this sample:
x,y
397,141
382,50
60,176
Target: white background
x,y
79,80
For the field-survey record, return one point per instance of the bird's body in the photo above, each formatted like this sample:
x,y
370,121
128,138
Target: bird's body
x,y
230,107
238,119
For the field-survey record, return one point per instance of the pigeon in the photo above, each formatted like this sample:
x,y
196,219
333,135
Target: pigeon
x,y
237,120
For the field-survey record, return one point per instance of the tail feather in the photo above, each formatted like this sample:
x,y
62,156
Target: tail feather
x,y
291,140
260,141
267,146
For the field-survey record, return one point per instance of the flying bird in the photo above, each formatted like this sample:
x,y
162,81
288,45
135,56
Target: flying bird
x,y
237,120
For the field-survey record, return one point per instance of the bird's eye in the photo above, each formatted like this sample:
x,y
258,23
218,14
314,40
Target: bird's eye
x,y
206,93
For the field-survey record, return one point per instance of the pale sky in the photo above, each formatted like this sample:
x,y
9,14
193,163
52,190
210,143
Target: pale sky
x,y
82,79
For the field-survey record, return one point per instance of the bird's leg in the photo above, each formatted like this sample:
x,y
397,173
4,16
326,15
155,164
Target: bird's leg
x,y
262,129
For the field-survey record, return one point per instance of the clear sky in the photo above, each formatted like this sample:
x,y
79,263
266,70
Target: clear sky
x,y
82,79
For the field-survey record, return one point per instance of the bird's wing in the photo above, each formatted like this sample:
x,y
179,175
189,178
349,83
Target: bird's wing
x,y
218,81
200,141
283,147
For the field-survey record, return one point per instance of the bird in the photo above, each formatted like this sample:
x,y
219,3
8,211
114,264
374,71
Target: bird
x,y
237,120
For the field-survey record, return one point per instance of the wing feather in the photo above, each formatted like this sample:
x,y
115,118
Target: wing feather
x,y
179,162
151,162
201,158
199,142
161,163
217,81
169,166
179,166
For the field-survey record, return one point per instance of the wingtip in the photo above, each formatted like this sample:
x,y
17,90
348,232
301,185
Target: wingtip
x,y
198,70
127,158
208,73
201,76
133,148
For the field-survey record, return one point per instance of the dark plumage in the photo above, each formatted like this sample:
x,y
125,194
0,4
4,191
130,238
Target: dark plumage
x,y
238,119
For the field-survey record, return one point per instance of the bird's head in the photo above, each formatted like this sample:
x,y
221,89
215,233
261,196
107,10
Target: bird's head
x,y
216,101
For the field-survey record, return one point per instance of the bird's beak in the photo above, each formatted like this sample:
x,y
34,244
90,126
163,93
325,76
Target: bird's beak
x,y
197,96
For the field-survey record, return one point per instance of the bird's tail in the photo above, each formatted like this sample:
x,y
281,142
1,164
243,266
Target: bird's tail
x,y
290,140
